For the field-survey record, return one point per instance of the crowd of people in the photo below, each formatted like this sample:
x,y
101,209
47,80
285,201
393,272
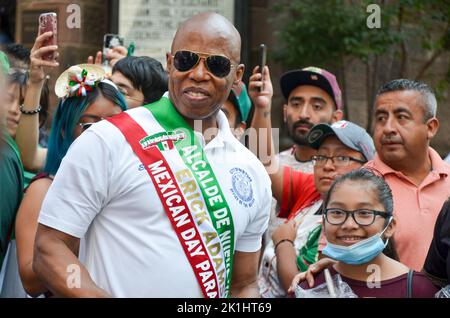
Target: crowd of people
x,y
144,186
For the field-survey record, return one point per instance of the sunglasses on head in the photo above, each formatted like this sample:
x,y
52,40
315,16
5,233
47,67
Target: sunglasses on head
x,y
218,65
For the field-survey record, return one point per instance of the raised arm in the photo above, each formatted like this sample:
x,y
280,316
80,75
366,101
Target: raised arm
x,y
27,136
262,125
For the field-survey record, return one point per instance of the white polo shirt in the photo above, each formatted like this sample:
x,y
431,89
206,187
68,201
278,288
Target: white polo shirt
x,y
103,193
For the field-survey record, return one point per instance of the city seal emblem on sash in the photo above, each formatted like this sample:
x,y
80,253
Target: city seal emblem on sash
x,y
242,187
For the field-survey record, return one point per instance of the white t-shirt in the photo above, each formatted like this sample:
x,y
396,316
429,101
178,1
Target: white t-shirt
x,y
103,192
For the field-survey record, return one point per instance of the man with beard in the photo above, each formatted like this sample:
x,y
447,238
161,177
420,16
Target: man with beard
x,y
312,96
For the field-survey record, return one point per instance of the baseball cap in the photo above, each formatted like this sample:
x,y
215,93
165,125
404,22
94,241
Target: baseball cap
x,y
313,76
350,134
240,99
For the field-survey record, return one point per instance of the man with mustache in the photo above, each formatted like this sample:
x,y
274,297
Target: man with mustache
x,y
405,123
312,96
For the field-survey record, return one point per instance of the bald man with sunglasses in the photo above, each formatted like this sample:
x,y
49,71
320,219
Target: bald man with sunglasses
x,y
169,201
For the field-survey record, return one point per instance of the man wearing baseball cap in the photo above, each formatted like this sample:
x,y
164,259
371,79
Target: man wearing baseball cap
x,y
312,96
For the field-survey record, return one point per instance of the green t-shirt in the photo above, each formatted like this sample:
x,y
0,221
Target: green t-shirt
x,y
11,185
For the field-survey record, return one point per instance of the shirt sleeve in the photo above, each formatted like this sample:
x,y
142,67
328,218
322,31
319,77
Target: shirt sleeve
x,y
80,187
298,191
437,263
250,241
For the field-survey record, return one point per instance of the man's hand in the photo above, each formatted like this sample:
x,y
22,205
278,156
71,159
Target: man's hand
x,y
261,99
37,63
310,273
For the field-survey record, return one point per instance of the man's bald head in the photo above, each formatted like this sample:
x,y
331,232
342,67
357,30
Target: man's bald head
x,y
211,23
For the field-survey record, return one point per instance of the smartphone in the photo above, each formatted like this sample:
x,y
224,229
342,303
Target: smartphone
x,y
110,41
262,60
48,22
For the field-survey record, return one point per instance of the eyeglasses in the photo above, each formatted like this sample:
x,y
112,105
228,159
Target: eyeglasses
x,y
338,161
218,65
363,217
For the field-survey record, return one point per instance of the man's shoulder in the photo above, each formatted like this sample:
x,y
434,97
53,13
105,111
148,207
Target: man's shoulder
x,y
246,156
287,153
241,157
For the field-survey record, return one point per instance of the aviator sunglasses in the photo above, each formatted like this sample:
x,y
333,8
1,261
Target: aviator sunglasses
x,y
218,65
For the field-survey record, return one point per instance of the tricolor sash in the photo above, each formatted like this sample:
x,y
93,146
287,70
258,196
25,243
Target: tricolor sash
x,y
188,190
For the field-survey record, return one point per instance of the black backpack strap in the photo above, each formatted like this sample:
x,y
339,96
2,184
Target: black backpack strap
x,y
409,284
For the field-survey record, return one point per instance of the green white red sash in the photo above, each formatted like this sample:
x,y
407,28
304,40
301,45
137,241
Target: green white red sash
x,y
188,190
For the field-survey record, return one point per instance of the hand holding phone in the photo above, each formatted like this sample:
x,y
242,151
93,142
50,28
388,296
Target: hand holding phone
x,y
48,22
262,63
110,41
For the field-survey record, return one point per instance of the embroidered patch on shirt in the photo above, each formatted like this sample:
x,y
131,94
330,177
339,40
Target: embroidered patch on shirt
x,y
242,187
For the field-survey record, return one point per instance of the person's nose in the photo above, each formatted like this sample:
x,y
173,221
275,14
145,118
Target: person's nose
x,y
389,127
349,224
329,165
200,72
304,113
14,109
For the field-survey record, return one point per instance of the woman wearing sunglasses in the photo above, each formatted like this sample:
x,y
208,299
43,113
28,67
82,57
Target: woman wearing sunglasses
x,y
85,98
358,223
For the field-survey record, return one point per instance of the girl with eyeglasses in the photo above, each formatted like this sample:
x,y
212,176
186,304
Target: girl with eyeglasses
x,y
86,97
358,223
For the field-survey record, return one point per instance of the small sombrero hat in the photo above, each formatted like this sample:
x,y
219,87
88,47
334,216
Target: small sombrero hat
x,y
78,79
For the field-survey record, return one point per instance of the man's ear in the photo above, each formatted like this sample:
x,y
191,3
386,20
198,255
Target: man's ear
x,y
240,129
432,126
285,113
169,59
337,116
239,74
